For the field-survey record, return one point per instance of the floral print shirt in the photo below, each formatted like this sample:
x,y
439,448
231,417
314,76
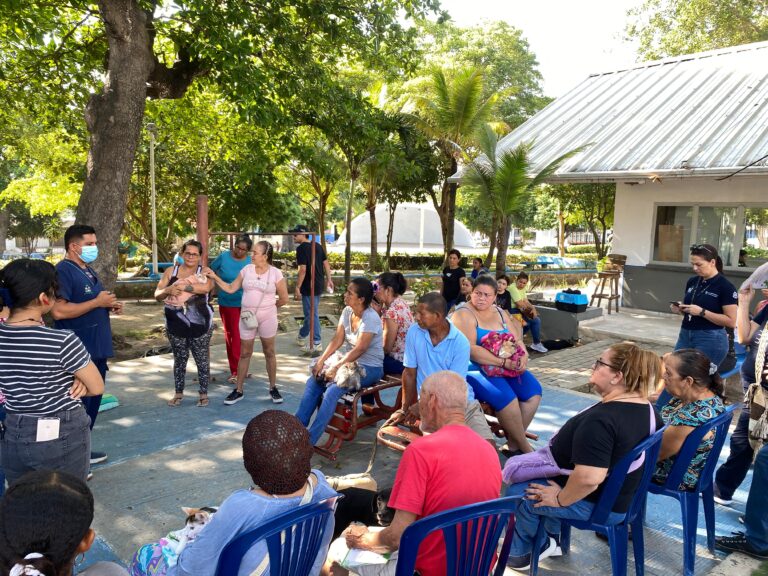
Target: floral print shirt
x,y
675,413
400,312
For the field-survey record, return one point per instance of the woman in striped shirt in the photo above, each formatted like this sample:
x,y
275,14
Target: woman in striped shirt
x,y
43,374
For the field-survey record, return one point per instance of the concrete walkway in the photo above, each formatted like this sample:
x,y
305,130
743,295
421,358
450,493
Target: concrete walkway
x,y
162,458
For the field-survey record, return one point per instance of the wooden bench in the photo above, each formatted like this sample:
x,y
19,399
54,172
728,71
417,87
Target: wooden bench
x,y
349,418
399,436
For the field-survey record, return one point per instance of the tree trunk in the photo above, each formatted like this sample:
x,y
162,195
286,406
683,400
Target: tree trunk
x,y
501,257
492,242
348,232
390,232
446,210
321,208
113,119
5,224
373,259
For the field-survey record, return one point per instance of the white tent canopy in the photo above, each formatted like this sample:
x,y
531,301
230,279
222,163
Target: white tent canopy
x,y
417,229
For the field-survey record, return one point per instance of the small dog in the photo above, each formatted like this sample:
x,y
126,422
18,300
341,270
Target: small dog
x,y
349,376
364,506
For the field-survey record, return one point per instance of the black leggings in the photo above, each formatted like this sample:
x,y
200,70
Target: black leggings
x,y
181,347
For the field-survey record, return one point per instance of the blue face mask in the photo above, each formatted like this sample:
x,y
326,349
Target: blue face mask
x,y
89,254
178,259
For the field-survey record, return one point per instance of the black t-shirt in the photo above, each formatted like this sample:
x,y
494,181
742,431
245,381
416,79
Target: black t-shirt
x,y
504,301
711,295
304,258
451,279
600,436
748,366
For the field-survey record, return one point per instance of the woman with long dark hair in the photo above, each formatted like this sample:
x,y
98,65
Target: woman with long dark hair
x,y
43,374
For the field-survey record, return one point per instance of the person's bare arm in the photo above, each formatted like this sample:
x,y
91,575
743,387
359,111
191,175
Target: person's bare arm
x,y
333,345
230,288
390,334
163,290
300,281
464,321
282,293
745,328
672,440
583,481
727,319
91,378
363,342
383,541
328,279
64,309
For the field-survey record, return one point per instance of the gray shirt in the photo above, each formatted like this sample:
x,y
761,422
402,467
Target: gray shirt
x,y
370,322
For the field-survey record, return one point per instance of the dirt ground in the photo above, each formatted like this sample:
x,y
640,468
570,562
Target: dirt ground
x,y
141,326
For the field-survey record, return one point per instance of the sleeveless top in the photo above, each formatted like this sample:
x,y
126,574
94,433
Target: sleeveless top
x,y
481,332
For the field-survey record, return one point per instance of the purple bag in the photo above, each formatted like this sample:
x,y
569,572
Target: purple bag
x,y
541,463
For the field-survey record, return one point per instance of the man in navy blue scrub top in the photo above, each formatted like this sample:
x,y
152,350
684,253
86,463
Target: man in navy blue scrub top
x,y
83,306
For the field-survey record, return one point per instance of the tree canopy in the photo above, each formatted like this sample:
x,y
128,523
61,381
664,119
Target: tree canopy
x,y
675,27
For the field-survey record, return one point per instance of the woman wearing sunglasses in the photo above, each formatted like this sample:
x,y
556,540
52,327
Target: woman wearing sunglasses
x,y
708,307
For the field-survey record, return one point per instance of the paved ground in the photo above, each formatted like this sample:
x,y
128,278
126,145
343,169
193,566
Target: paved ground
x,y
163,458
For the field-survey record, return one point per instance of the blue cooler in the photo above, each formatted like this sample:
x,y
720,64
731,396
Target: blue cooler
x,y
571,301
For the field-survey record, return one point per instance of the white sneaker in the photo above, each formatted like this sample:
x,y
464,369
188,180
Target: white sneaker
x,y
539,348
301,341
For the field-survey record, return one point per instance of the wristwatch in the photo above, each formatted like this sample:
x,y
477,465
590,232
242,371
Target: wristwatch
x,y
702,313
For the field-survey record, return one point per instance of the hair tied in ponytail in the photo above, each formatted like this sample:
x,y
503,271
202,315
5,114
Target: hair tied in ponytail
x,y
26,569
712,368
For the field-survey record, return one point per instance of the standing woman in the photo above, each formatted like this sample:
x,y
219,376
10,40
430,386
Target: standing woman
x,y
188,318
514,398
396,318
261,283
228,266
708,307
452,275
43,374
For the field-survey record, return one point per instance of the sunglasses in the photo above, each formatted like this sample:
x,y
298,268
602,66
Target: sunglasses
x,y
701,248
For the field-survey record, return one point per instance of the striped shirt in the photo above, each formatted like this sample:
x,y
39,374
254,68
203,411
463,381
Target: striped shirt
x,y
37,366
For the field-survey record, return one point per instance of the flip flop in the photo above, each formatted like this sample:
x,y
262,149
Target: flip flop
x,y
175,401
203,401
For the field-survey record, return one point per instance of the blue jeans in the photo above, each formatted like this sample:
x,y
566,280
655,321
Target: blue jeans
x,y
304,330
756,518
330,395
732,473
70,452
534,325
527,518
713,343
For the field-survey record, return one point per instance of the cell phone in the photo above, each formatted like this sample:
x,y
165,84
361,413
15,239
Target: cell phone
x,y
675,302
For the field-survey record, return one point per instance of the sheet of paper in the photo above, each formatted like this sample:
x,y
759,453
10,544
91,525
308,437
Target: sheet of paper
x,y
47,429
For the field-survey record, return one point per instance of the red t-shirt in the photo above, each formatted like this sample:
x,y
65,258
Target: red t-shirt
x,y
452,467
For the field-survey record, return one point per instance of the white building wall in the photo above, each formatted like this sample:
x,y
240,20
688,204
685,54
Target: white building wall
x,y
636,206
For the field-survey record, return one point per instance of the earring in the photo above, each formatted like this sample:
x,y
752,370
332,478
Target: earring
x,y
80,559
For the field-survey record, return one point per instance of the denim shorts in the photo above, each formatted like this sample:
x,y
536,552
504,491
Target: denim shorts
x,y
70,452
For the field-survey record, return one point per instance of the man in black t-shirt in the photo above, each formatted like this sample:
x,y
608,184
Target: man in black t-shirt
x,y
322,279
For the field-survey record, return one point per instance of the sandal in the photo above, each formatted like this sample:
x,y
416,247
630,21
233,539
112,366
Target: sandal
x,y
203,401
176,400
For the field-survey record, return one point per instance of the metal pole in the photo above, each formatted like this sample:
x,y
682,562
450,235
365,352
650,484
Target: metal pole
x,y
312,295
152,131
202,226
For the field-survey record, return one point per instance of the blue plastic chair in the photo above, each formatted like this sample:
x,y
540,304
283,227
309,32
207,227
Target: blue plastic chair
x,y
293,541
618,534
689,500
741,353
471,535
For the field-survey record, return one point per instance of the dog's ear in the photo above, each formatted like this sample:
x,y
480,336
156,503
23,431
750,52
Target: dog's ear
x,y
189,511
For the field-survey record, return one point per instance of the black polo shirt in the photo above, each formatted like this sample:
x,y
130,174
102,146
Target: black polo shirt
x,y
712,295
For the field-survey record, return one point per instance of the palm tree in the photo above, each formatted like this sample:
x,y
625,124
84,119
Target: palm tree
x,y
505,181
450,113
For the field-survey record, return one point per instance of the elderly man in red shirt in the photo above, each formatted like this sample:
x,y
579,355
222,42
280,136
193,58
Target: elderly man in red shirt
x,y
450,466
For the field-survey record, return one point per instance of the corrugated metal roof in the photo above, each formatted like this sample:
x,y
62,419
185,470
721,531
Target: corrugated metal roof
x,y
696,115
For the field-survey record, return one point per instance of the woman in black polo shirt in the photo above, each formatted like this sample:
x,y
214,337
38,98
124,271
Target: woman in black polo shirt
x,y
708,307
